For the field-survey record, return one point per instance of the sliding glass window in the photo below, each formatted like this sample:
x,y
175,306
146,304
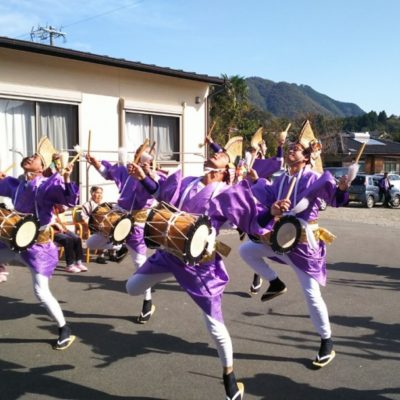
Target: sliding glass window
x,y
24,122
161,129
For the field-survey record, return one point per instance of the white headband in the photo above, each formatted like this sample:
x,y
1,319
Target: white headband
x,y
209,169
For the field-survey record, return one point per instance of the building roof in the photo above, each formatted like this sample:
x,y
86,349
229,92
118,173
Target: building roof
x,y
53,51
373,146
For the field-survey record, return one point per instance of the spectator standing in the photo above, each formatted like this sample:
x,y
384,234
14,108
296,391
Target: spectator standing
x,y
384,189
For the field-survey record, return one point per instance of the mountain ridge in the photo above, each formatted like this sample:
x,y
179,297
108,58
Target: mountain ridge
x,y
291,100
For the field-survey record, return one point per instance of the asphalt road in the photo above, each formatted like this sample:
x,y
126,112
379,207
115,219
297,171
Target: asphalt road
x,y
172,356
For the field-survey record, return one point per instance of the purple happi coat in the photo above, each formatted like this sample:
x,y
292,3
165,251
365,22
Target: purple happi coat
x,y
205,283
38,197
132,196
314,187
239,207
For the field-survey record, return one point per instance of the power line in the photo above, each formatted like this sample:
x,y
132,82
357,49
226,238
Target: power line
x,y
105,13
135,3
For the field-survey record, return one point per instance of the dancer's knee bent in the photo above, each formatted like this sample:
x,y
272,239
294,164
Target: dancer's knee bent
x,y
253,254
138,283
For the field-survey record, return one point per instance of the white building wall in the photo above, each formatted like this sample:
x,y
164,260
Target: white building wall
x,y
97,90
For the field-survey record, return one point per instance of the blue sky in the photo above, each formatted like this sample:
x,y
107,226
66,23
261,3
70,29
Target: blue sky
x,y
346,49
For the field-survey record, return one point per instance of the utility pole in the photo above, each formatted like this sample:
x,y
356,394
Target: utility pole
x,y
44,33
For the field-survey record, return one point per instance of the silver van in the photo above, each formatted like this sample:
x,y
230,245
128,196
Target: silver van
x,y
364,189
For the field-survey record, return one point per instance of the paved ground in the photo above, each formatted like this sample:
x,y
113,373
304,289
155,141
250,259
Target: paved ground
x,y
172,356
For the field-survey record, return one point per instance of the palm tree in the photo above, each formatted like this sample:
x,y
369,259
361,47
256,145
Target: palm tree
x,y
228,106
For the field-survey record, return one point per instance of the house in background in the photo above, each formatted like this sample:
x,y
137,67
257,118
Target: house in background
x,y
379,155
64,94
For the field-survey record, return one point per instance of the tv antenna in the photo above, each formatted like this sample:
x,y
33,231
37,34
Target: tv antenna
x,y
48,32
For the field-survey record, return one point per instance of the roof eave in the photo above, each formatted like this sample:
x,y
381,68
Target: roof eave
x,y
22,45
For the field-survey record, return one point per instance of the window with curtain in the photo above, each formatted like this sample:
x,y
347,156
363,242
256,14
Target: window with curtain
x,y
164,130
391,165
59,122
24,122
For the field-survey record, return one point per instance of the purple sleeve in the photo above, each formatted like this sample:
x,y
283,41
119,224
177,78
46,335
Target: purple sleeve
x,y
56,191
149,184
117,173
170,188
325,188
106,174
71,194
216,148
264,192
342,198
238,206
264,217
8,186
266,167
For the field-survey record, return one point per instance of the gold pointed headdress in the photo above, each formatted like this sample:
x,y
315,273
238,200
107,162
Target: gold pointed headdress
x,y
283,134
257,138
46,150
308,140
234,149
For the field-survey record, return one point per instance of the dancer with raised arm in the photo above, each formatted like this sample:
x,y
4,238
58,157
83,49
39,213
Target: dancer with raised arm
x,y
134,199
203,282
307,256
37,195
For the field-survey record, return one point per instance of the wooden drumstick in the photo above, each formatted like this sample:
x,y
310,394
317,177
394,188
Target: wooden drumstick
x,y
9,168
360,151
75,158
89,142
208,135
152,147
153,162
79,153
291,187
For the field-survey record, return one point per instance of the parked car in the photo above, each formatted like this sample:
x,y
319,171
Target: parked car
x,y
364,189
393,178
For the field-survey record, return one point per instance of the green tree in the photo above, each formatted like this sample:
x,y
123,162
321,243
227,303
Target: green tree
x,y
228,107
382,117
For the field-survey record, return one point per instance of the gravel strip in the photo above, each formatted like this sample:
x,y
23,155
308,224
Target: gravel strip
x,y
373,216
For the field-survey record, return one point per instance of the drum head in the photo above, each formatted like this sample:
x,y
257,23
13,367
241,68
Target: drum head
x,y
121,230
26,233
197,240
286,234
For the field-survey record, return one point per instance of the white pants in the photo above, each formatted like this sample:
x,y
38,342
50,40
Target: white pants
x,y
254,253
40,287
44,295
138,282
138,260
